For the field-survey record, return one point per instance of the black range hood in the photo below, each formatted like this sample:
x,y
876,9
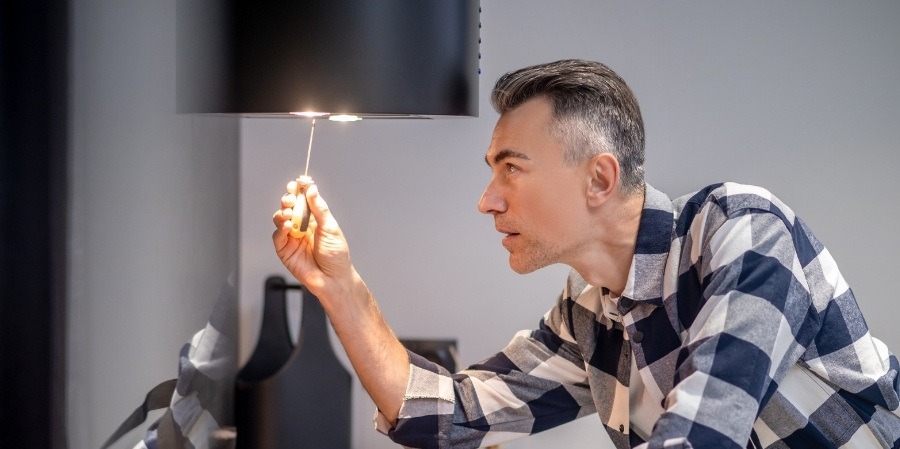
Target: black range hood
x,y
375,58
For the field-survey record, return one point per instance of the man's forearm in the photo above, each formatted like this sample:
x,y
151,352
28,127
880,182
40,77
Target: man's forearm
x,y
378,358
320,259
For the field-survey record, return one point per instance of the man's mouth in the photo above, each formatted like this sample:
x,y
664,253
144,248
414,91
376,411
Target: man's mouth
x,y
508,237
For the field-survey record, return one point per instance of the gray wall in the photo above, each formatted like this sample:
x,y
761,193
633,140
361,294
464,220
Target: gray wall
x,y
154,214
800,97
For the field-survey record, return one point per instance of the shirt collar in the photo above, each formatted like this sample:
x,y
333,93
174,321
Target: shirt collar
x,y
645,278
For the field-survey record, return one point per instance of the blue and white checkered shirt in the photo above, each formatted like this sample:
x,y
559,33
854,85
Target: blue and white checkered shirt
x,y
739,323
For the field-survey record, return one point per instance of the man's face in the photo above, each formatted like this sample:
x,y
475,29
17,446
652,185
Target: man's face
x,y
537,201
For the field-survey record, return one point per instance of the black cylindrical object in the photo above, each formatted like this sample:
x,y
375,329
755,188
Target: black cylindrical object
x,y
363,57
292,396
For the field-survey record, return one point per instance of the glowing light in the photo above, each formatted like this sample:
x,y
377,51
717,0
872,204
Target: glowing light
x,y
344,118
310,114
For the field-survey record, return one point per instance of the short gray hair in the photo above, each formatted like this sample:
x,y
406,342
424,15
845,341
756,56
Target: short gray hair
x,y
594,112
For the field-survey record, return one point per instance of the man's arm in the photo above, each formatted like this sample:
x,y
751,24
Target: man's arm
x,y
771,296
320,260
752,326
537,382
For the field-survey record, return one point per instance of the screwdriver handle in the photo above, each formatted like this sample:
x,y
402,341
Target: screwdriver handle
x,y
300,215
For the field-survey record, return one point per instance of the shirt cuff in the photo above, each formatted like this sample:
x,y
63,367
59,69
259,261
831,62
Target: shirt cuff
x,y
382,425
428,392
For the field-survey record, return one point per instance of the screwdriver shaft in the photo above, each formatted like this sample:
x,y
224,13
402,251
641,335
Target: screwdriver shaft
x,y
309,149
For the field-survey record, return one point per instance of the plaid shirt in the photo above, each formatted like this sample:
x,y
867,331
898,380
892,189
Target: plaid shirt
x,y
739,323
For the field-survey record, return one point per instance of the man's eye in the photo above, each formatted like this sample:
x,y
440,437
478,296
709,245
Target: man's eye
x,y
511,168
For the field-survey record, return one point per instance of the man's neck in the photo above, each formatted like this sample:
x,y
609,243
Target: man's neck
x,y
609,253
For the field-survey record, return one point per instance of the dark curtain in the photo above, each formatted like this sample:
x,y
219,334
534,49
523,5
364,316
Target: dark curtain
x,y
33,222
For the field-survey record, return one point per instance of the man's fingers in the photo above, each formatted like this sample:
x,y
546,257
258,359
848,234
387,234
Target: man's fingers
x,y
293,188
317,205
280,236
288,200
277,218
282,215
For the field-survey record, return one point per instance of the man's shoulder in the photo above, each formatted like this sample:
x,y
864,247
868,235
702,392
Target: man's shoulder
x,y
733,199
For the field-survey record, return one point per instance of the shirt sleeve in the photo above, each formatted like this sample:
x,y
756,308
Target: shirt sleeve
x,y
758,318
537,382
755,306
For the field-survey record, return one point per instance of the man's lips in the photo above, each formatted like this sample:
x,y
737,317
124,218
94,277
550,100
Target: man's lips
x,y
509,237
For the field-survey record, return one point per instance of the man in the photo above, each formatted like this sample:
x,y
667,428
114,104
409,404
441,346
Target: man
x,y
715,320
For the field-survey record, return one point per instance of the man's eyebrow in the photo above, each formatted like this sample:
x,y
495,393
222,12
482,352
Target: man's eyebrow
x,y
503,154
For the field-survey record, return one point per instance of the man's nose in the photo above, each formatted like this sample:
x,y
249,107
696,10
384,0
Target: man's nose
x,y
491,201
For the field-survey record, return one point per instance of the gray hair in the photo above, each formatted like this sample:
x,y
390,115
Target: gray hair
x,y
594,112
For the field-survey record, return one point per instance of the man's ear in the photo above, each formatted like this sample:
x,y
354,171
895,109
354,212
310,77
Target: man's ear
x,y
603,171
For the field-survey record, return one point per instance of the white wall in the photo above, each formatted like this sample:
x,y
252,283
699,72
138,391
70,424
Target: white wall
x,y
154,214
799,97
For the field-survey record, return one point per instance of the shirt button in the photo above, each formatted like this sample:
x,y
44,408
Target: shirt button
x,y
638,336
621,428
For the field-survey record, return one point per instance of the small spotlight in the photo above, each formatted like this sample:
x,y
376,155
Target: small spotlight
x,y
310,114
344,118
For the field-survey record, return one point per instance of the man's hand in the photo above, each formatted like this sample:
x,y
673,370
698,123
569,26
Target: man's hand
x,y
320,258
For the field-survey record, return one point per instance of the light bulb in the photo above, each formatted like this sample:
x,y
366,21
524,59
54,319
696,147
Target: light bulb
x,y
344,118
311,114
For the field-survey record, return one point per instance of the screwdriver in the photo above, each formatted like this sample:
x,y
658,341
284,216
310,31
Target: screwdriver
x,y
300,218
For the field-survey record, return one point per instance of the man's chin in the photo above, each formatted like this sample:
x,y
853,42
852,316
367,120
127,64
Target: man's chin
x,y
524,266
